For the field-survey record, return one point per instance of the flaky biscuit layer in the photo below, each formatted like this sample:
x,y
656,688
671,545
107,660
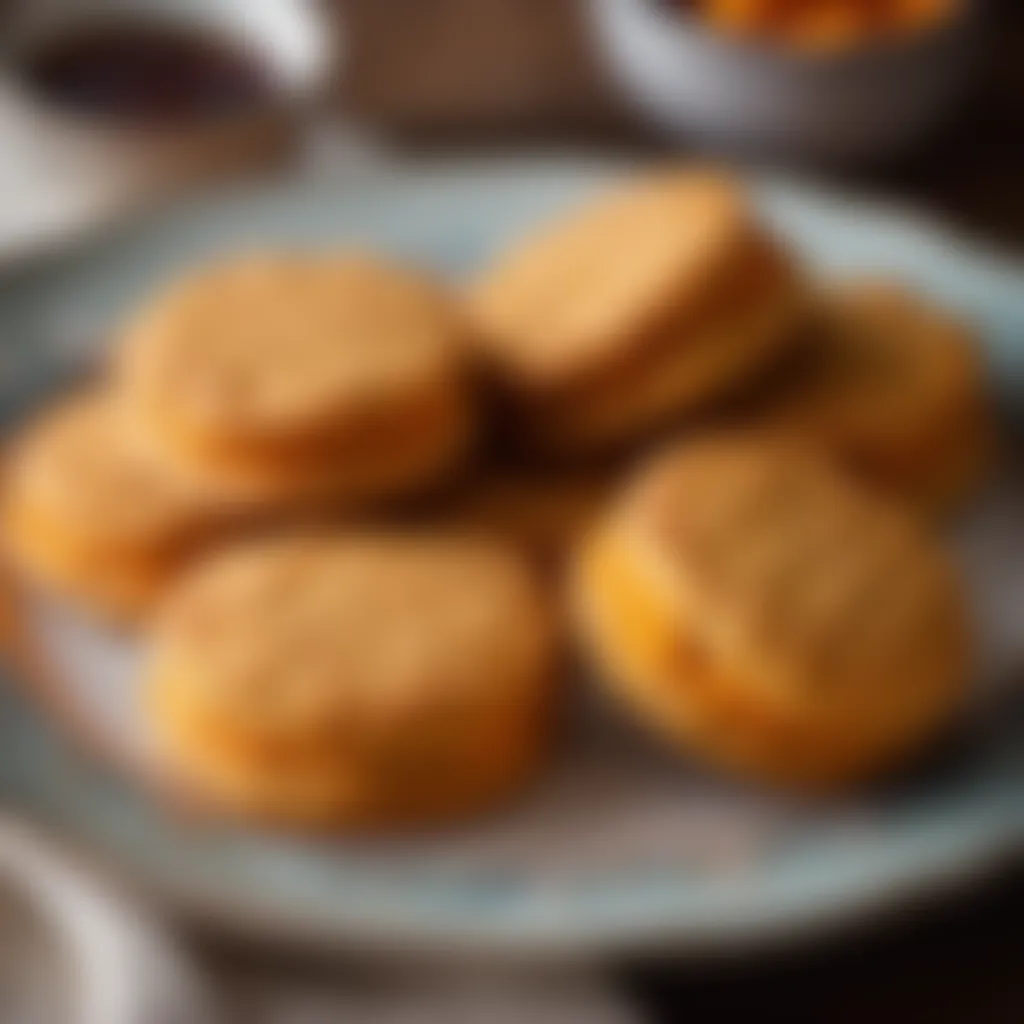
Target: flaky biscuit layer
x,y
681,381
648,304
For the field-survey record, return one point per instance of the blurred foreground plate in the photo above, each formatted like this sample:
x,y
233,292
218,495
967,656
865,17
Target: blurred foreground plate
x,y
621,849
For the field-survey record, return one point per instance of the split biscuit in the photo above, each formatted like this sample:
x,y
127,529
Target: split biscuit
x,y
642,307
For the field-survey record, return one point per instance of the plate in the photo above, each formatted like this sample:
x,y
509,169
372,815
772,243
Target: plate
x,y
622,849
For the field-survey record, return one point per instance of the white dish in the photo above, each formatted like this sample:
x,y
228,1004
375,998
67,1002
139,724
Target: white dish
x,y
865,106
619,849
64,176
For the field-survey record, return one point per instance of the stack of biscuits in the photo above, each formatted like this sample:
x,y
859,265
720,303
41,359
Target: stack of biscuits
x,y
338,497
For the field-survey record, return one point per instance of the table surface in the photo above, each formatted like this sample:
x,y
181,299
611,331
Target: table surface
x,y
962,963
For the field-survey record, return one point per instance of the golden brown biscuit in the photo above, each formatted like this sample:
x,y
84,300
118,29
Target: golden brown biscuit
x,y
89,513
894,386
753,602
641,307
295,376
357,680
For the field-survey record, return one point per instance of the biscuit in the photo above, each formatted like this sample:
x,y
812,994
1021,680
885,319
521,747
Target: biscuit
x,y
362,680
87,512
289,377
644,306
754,603
891,384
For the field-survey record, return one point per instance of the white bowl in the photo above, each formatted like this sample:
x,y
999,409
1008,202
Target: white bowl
x,y
867,105
66,174
290,37
73,950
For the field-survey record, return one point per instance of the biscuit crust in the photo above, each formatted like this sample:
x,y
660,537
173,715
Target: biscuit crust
x,y
382,680
301,374
756,605
645,304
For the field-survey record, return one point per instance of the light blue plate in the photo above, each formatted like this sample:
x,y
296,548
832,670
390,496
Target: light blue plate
x,y
491,889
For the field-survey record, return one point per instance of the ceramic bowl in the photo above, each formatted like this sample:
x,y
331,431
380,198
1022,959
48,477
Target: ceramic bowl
x,y
863,106
294,44
73,950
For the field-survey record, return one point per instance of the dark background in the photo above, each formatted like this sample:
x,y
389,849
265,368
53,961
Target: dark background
x,y
961,963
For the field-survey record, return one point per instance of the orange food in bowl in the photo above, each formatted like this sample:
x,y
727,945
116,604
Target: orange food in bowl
x,y
822,25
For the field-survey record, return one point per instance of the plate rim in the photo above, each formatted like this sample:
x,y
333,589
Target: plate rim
x,y
956,867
